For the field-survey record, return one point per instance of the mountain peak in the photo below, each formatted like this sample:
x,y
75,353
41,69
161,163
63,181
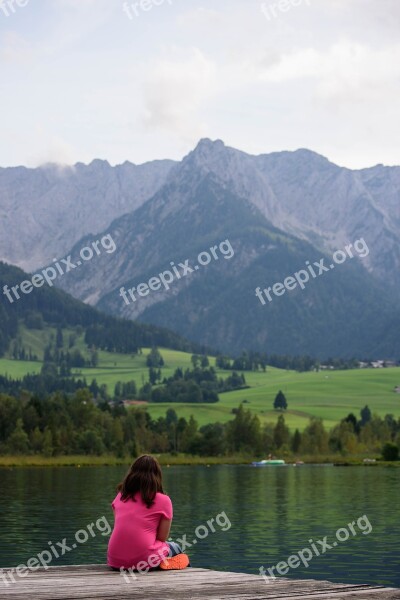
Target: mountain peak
x,y
208,144
206,152
207,147
99,163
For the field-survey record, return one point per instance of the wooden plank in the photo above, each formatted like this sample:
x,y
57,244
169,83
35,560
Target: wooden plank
x,y
92,582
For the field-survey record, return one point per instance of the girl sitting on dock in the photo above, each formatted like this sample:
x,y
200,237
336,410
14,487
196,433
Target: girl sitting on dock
x,y
143,516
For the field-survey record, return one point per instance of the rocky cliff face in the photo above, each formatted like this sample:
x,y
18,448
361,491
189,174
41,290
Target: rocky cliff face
x,y
278,211
302,193
44,211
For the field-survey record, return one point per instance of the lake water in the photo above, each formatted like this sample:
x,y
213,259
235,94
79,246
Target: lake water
x,y
273,513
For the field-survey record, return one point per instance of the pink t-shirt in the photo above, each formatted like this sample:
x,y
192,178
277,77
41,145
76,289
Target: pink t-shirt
x,y
134,536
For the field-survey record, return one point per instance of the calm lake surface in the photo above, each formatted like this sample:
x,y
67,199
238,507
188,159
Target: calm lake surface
x,y
273,512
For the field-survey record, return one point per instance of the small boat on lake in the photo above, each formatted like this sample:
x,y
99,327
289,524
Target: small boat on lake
x,y
270,462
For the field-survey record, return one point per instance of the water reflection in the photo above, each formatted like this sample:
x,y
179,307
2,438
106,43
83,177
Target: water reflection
x,y
274,513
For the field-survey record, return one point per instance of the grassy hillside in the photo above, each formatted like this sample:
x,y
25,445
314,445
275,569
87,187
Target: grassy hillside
x,y
48,308
329,395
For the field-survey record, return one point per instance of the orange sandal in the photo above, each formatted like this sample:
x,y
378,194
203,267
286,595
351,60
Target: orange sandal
x,y
180,561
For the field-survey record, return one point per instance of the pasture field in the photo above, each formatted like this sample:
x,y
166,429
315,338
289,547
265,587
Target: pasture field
x,y
330,395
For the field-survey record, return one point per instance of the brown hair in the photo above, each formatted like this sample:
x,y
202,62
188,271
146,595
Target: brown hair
x,y
144,477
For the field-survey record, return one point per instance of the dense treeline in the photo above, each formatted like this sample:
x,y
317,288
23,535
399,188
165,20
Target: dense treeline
x,y
196,385
117,335
256,361
44,383
61,425
247,361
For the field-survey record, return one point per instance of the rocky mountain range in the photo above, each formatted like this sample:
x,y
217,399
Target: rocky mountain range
x,y
44,211
278,212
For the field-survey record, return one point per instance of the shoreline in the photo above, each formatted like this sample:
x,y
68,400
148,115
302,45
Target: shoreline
x,y
78,461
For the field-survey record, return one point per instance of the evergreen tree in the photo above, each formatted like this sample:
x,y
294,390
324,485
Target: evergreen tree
x,y
390,451
196,360
152,375
94,358
296,441
280,402
281,433
204,361
365,415
244,432
154,358
353,421
59,338
94,388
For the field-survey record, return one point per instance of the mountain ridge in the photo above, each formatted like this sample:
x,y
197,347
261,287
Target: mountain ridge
x,y
178,223
291,207
44,211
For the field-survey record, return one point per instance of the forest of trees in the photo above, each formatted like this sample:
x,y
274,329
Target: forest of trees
x,y
256,361
53,307
61,425
200,384
117,335
247,361
47,382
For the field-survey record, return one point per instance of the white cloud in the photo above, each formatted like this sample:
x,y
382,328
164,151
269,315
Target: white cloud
x,y
49,148
175,90
324,76
347,71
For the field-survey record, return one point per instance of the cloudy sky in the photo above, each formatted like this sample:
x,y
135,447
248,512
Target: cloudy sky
x,y
84,79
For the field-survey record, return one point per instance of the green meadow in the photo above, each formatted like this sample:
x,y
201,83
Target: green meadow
x,y
330,395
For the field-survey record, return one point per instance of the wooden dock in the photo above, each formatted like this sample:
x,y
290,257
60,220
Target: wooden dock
x,y
92,582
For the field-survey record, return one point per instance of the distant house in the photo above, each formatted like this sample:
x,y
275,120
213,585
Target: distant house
x,y
378,364
134,402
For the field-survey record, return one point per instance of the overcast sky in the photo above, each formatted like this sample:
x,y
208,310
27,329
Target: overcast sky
x,y
82,79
